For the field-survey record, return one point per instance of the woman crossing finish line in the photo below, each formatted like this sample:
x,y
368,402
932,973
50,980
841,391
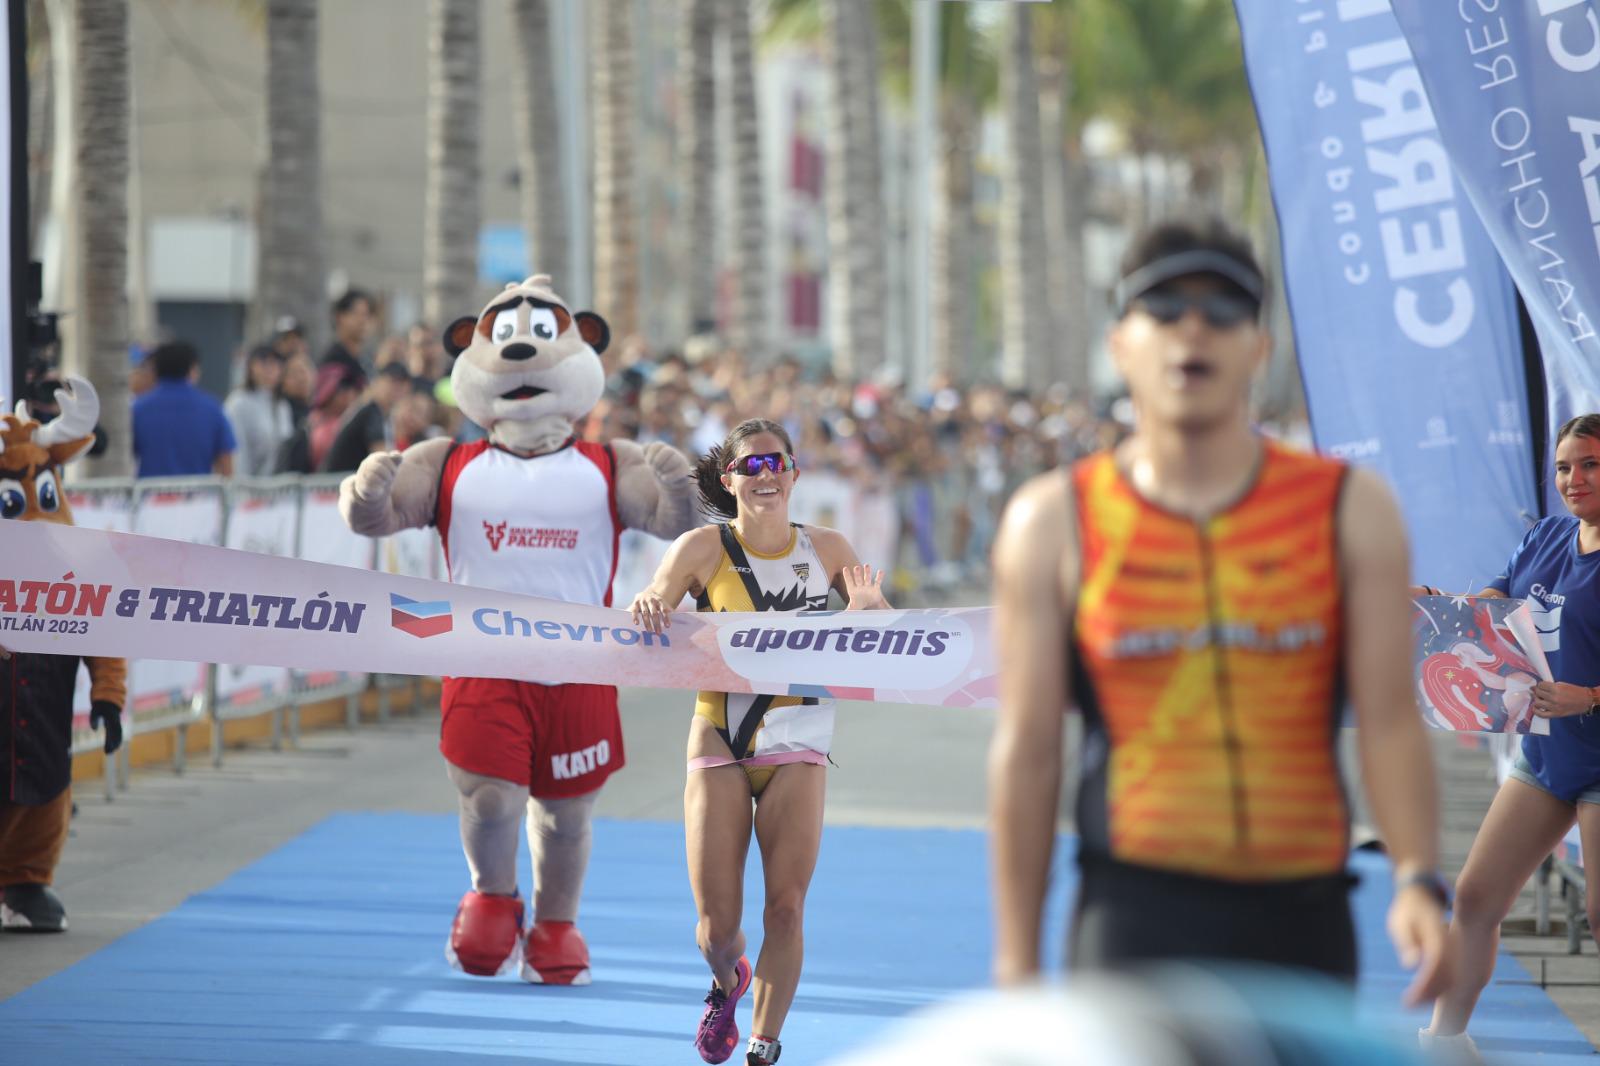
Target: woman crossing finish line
x,y
765,752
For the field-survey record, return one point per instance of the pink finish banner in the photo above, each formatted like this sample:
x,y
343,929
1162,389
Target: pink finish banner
x,y
78,591
88,592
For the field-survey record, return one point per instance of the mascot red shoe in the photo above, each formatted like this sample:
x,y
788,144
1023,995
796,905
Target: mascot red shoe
x,y
36,690
535,511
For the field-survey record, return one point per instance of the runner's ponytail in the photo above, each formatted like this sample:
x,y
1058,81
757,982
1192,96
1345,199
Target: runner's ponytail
x,y
716,502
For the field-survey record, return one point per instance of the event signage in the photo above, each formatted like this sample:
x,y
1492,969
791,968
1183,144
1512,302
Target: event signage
x,y
91,592
1405,322
1476,663
1516,92
122,594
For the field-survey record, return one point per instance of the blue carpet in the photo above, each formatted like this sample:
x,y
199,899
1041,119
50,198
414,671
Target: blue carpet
x,y
330,950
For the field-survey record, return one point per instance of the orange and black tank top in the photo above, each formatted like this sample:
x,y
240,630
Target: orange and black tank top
x,y
1207,662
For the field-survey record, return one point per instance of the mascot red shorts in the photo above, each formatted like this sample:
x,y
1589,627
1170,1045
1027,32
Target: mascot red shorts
x,y
559,740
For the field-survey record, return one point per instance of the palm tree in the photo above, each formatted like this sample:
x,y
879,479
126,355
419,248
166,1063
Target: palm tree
x,y
853,188
1027,358
1066,188
616,240
966,79
697,101
41,113
292,250
99,304
450,225
1170,74
544,197
749,222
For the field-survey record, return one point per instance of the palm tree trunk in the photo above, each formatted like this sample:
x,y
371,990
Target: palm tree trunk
x,y
100,202
698,99
1065,213
854,189
616,231
1077,302
750,332
954,288
451,218
544,197
1027,358
872,271
292,269
41,113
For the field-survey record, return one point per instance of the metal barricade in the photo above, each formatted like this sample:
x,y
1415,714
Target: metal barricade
x,y
288,515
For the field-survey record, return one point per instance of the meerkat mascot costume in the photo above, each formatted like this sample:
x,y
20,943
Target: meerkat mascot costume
x,y
535,511
36,689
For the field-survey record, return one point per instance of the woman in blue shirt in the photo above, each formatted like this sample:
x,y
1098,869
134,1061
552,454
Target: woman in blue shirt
x,y
1556,569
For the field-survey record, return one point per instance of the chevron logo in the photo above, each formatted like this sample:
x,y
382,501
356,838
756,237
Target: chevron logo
x,y
417,618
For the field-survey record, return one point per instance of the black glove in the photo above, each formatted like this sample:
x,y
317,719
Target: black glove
x,y
103,714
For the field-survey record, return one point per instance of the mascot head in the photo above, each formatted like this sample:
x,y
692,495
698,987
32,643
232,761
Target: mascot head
x,y
526,367
31,455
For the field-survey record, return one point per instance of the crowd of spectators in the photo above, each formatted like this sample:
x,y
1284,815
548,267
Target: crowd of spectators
x,y
948,455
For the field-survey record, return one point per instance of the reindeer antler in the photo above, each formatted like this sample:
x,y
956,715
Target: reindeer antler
x,y
80,410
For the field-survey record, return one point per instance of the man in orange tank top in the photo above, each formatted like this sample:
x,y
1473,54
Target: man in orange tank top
x,y
1206,598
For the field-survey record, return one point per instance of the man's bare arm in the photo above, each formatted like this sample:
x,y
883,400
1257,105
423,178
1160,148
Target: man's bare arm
x,y
1033,558
1396,761
1397,764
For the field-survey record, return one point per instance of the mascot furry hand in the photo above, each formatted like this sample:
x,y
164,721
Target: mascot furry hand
x,y
36,690
530,510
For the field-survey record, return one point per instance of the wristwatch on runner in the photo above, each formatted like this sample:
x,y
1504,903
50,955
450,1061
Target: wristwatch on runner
x,y
1436,885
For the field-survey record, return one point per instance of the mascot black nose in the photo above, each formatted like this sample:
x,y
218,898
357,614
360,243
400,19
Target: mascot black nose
x,y
518,351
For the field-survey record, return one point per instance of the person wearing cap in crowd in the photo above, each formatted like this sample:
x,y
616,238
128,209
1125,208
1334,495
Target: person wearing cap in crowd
x,y
289,338
178,428
1206,597
367,429
261,417
334,396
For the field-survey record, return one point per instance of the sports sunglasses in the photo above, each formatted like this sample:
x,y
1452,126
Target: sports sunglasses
x,y
750,465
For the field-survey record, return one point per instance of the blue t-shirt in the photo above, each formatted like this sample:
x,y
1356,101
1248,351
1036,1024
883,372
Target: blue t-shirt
x,y
1562,589
179,430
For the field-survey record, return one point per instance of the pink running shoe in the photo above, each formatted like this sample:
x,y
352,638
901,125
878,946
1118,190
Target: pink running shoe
x,y
718,1034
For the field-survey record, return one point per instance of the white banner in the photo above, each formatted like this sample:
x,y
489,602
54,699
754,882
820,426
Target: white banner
x,y
86,592
77,591
156,682
325,538
96,510
263,523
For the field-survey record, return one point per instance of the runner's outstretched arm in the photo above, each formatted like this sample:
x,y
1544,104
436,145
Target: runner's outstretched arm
x,y
1034,564
1396,762
684,569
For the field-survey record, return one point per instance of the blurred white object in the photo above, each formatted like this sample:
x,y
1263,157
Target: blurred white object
x,y
1176,1015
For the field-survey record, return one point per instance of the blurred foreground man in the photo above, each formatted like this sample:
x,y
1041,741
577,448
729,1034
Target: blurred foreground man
x,y
1206,597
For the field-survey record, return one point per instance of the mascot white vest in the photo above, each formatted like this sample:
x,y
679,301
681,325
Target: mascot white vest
x,y
529,510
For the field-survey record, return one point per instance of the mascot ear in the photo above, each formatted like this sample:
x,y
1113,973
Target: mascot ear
x,y
458,335
66,451
593,329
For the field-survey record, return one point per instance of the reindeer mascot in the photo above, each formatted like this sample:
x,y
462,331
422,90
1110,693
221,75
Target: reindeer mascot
x,y
530,510
36,690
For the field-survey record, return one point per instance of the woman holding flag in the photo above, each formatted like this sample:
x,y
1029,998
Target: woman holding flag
x,y
755,761
1556,780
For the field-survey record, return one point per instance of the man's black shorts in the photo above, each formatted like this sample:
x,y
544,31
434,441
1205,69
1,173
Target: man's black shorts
x,y
1129,916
